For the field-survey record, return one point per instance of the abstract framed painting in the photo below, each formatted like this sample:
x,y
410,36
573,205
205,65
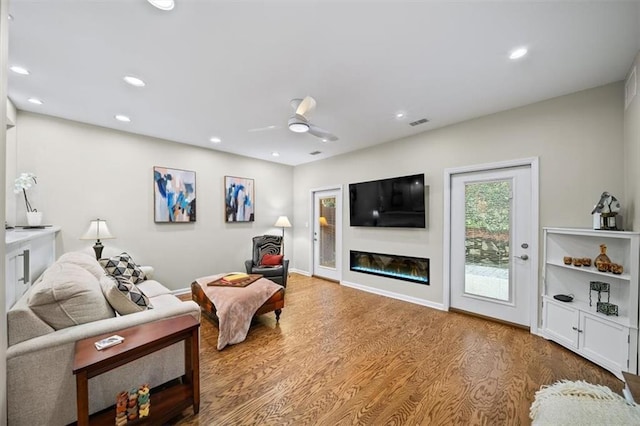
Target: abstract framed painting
x,y
174,195
239,196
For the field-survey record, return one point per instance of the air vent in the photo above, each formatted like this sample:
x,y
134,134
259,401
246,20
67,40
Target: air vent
x,y
418,122
315,153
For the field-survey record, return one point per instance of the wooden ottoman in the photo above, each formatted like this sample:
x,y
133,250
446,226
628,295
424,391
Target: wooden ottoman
x,y
274,304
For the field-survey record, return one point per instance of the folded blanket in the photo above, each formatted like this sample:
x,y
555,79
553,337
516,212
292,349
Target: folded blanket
x,y
235,306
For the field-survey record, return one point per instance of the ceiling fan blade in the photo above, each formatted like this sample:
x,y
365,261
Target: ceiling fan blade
x,y
321,133
261,129
305,107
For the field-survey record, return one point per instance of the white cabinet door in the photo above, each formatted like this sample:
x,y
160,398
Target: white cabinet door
x,y
10,279
560,323
604,342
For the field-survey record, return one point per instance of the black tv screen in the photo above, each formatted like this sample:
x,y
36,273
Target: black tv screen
x,y
395,202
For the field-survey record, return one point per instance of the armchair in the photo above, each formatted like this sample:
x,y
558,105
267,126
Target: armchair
x,y
267,244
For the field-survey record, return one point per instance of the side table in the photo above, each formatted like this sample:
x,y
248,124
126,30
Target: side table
x,y
138,342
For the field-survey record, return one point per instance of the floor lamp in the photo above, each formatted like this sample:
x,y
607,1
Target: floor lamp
x,y
283,222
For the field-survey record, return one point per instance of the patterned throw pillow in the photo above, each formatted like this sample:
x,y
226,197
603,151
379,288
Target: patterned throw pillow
x,y
123,295
123,265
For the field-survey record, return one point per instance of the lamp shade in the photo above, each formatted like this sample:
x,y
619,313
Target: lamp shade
x,y
98,230
283,222
323,221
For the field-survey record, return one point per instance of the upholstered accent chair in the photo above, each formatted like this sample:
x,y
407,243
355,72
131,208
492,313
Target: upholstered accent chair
x,y
268,245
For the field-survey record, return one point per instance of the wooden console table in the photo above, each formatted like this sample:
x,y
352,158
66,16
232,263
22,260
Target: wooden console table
x,y
140,341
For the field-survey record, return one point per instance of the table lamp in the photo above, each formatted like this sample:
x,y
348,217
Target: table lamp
x,y
283,222
97,230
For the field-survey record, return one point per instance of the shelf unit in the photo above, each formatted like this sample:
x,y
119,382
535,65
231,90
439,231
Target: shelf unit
x,y
608,340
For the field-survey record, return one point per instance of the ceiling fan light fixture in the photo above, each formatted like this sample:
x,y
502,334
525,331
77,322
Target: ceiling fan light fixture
x,y
298,126
163,4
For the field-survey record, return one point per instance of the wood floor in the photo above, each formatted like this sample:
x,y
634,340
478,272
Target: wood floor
x,y
341,356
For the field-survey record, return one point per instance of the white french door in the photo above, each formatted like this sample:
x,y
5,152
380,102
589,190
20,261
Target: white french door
x,y
492,242
327,224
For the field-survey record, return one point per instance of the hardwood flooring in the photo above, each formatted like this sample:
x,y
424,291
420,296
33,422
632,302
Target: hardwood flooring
x,y
340,356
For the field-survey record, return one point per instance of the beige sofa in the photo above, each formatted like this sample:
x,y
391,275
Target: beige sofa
x,y
66,304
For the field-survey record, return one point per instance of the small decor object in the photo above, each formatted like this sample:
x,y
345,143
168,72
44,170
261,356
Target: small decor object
x,y
607,208
174,195
607,308
599,287
586,261
239,199
144,401
602,258
122,400
567,260
564,297
577,262
232,282
616,268
22,183
603,267
98,230
132,408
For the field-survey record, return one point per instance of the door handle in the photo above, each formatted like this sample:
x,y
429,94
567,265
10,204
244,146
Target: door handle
x,y
26,274
577,329
523,257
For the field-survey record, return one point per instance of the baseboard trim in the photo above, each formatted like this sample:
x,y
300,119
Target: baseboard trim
x,y
393,295
180,291
299,271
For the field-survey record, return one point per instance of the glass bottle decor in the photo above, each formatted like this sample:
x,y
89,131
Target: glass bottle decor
x,y
602,262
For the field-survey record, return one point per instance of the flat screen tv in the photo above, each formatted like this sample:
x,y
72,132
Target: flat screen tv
x,y
396,202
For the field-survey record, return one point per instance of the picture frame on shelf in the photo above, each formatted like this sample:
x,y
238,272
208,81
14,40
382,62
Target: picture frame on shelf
x,y
174,192
239,199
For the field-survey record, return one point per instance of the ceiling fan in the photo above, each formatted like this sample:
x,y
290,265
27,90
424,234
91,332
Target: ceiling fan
x,y
299,122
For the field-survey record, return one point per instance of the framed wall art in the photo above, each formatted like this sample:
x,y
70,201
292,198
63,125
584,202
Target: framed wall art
x,y
174,195
239,199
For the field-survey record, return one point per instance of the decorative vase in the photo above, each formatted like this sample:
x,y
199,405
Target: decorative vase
x,y
34,218
602,261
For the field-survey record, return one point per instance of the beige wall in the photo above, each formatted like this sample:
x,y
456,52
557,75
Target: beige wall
x,y
632,155
578,139
86,172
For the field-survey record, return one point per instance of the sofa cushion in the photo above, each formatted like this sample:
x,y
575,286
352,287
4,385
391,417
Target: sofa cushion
x,y
88,262
152,288
123,295
68,295
123,265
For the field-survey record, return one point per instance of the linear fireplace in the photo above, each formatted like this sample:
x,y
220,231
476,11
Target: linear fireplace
x,y
414,269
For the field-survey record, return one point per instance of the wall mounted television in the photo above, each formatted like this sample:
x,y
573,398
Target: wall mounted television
x,y
396,202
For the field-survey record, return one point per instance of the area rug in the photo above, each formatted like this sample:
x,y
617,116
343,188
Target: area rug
x,y
581,403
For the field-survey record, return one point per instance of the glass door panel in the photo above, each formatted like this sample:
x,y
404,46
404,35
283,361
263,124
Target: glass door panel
x,y
327,237
488,210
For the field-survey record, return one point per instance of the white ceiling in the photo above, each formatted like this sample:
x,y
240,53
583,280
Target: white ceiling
x,y
221,68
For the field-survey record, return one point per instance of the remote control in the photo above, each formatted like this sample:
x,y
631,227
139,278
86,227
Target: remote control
x,y
108,342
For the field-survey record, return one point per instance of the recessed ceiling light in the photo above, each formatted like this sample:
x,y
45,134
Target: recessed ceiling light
x,y
10,17
35,101
123,118
400,115
275,154
19,70
325,140
134,81
518,53
163,4
215,140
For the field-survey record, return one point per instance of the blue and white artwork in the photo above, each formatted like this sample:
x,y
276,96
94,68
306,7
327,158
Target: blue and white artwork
x,y
239,199
175,195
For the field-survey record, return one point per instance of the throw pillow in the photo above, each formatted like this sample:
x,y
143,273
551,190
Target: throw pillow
x,y
123,295
123,265
68,295
272,260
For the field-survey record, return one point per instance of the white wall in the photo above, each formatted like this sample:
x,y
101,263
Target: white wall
x,y
578,138
85,172
11,153
4,8
632,154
